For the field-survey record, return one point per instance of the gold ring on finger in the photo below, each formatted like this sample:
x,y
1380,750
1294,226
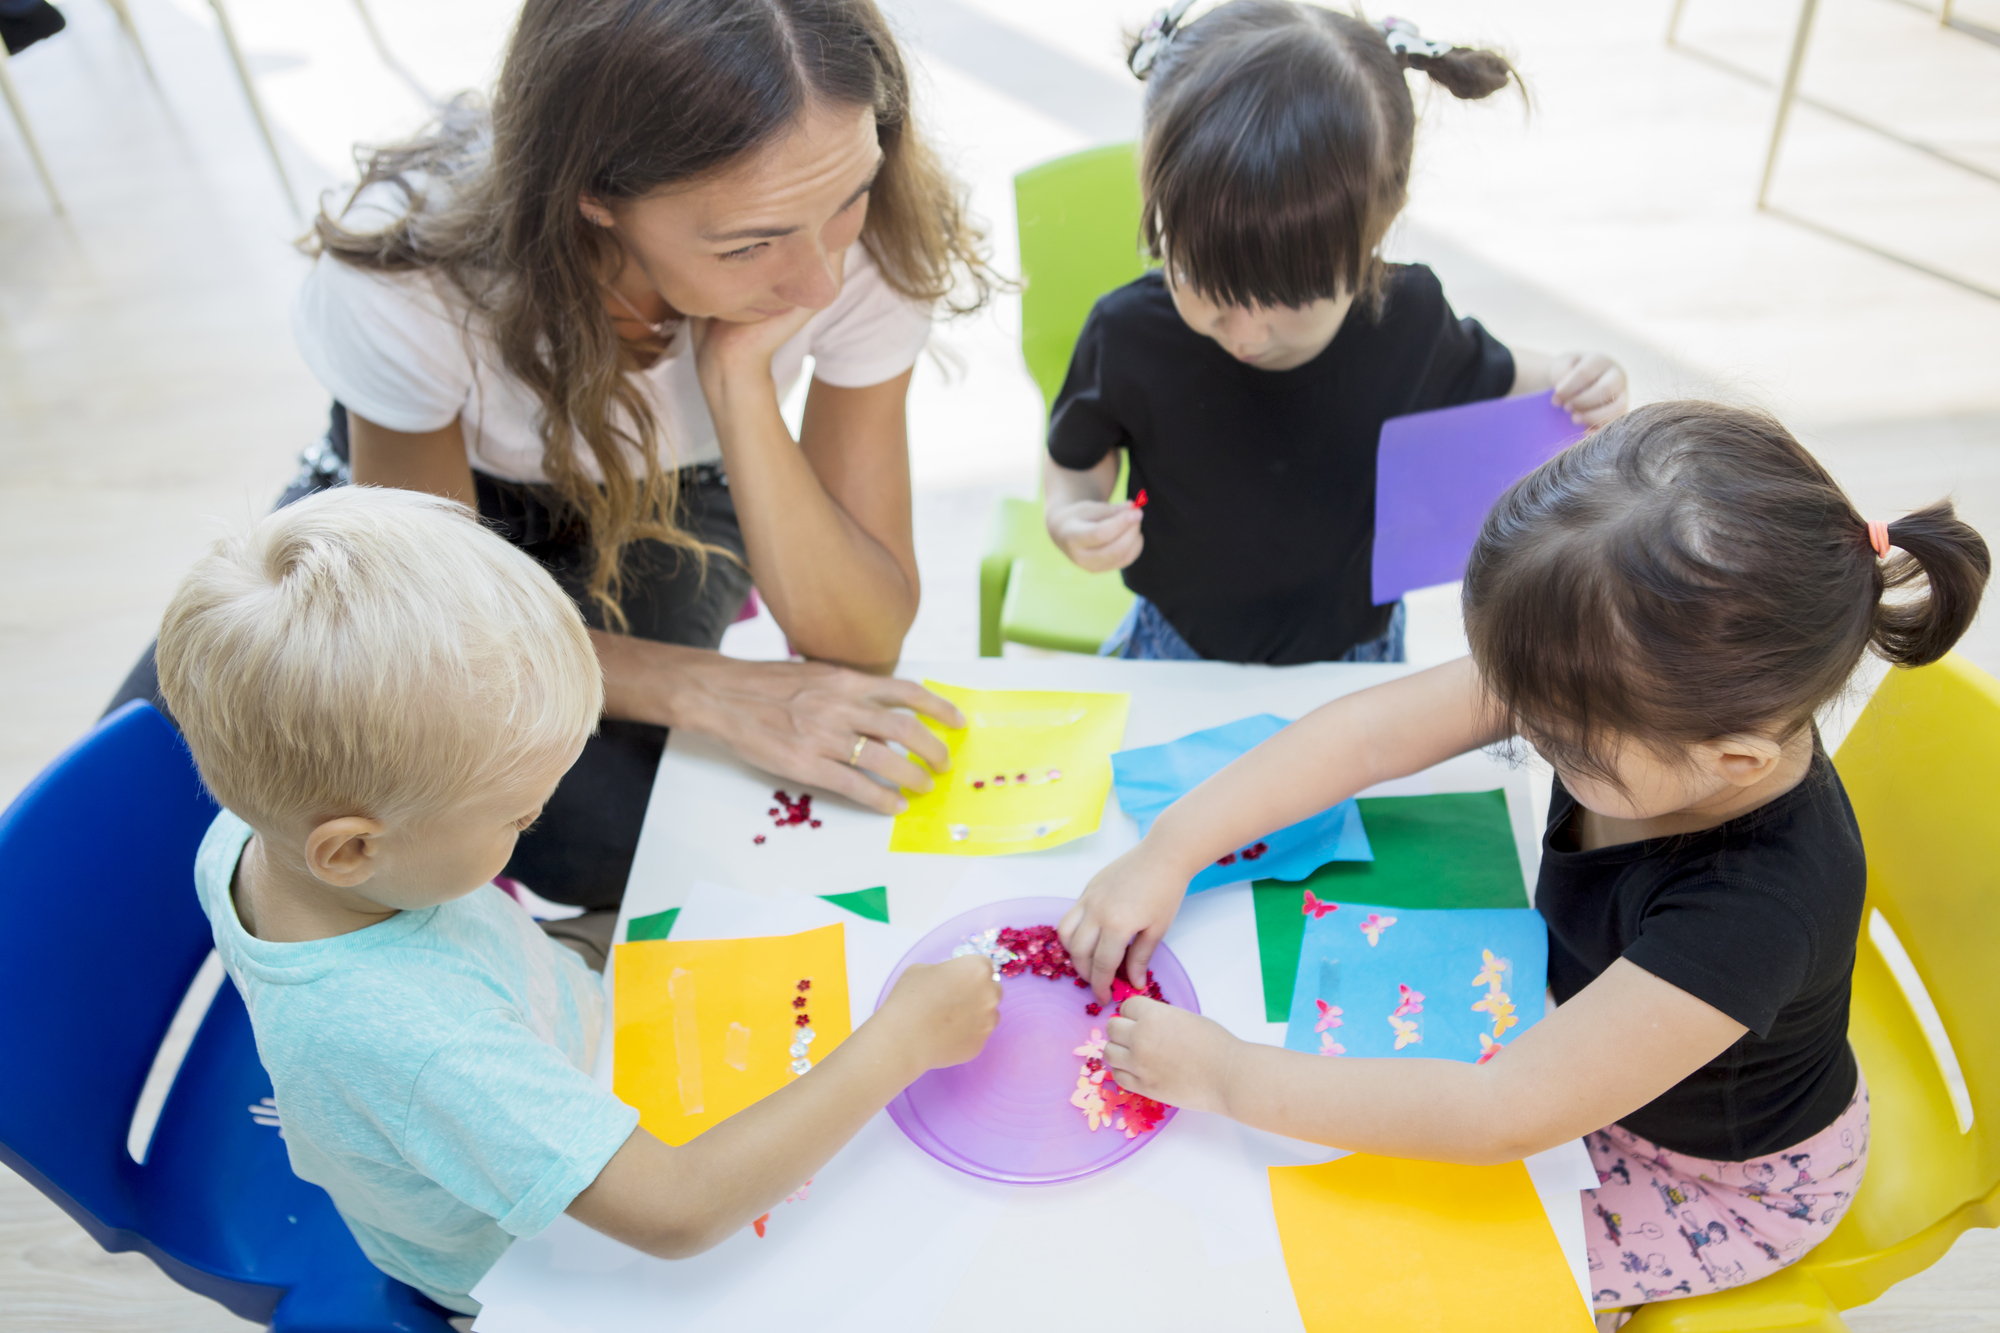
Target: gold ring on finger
x,y
854,755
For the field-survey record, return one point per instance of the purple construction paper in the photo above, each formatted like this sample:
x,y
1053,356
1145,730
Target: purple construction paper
x,y
1436,475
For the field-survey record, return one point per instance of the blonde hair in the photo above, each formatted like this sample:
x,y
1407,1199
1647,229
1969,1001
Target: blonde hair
x,y
372,651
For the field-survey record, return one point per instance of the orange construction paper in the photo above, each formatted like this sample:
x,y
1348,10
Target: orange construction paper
x,y
705,1027
1379,1243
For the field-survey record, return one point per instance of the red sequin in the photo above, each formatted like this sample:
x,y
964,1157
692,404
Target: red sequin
x,y
1093,1008
802,1021
814,823
1139,500
1226,860
805,985
788,811
758,1225
759,840
978,783
798,1002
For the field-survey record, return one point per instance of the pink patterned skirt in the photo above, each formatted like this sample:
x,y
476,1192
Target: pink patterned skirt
x,y
1662,1225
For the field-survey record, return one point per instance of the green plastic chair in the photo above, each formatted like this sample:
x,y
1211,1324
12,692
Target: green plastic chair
x,y
1922,767
1079,226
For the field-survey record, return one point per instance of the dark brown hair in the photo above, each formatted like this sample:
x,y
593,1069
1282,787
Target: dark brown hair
x,y
1276,149
618,98
1690,572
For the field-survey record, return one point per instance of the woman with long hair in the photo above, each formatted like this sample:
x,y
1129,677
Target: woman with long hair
x,y
579,310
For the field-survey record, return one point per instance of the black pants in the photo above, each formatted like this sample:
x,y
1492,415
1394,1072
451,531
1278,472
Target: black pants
x,y
581,850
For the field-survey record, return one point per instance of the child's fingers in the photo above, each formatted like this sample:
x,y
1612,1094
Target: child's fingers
x,y
1140,954
1600,392
1105,958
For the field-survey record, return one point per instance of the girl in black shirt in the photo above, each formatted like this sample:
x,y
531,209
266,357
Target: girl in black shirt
x,y
1250,376
1659,611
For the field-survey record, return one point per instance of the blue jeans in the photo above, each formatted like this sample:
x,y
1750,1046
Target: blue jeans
x,y
1145,635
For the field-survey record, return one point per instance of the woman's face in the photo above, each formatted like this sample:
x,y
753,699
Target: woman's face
x,y
764,236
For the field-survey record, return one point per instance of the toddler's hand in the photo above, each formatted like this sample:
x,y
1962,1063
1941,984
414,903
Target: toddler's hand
x,y
1127,905
1590,386
1097,534
1169,1054
945,1011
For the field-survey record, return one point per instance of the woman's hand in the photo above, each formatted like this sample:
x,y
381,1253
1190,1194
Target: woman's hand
x,y
729,356
1170,1055
1590,386
1096,534
1122,916
797,720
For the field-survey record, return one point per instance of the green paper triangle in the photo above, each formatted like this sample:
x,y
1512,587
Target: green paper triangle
x,y
1451,850
871,903
655,927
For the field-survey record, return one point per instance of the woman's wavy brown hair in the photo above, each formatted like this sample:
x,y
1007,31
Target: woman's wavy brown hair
x,y
619,98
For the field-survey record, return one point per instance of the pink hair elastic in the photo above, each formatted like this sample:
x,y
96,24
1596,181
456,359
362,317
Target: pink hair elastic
x,y
1878,537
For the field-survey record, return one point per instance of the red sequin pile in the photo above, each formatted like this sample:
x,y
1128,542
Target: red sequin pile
x,y
1250,853
1039,951
788,812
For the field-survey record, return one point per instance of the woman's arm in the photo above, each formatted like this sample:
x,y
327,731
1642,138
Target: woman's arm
x,y
1589,384
432,461
1621,1042
797,720
1082,522
826,519
1325,757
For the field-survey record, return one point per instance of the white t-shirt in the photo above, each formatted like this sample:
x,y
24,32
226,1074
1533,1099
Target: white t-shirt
x,y
395,348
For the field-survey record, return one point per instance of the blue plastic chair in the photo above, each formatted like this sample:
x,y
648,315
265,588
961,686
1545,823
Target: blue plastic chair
x,y
103,936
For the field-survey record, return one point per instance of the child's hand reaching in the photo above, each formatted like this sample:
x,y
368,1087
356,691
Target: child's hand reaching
x,y
1170,1055
1128,905
1097,534
1590,386
944,1012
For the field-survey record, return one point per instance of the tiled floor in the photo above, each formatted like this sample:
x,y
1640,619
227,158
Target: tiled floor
x,y
149,391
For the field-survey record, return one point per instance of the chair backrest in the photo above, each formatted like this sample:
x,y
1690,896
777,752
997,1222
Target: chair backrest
x,y
104,935
1922,767
1079,228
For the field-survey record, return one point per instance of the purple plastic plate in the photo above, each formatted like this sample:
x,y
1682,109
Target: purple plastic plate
x,y
1007,1115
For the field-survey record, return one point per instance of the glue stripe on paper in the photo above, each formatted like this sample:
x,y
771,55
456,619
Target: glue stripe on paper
x,y
687,1039
998,833
736,1047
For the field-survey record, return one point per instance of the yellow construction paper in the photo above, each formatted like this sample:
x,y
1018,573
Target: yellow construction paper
x,y
705,1027
1010,734
1422,1247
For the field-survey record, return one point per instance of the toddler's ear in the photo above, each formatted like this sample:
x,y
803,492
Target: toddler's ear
x,y
342,851
1742,760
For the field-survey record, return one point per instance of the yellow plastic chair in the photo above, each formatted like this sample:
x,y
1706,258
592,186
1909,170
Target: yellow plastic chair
x,y
1079,226
1922,767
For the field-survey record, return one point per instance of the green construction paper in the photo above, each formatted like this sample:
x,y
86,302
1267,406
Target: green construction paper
x,y
1451,850
871,903
661,924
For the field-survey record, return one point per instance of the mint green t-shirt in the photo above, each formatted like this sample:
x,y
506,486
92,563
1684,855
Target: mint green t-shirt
x,y
431,1072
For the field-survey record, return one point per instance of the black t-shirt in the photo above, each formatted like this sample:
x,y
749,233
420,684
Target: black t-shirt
x,y
1757,917
1260,507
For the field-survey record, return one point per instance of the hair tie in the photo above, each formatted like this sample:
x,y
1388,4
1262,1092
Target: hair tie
x,y
1878,537
1406,41
1157,36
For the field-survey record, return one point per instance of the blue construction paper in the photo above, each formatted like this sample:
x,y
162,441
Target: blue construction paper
x,y
1436,475
1152,778
1436,953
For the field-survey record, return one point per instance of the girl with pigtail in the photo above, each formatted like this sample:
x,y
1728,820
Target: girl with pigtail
x,y
1660,611
1249,375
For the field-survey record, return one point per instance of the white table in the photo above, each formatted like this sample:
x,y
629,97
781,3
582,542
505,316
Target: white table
x,y
889,1239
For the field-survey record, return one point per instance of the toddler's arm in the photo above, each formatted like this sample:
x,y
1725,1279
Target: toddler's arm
x,y
1083,522
1590,384
676,1202
1325,757
1621,1042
